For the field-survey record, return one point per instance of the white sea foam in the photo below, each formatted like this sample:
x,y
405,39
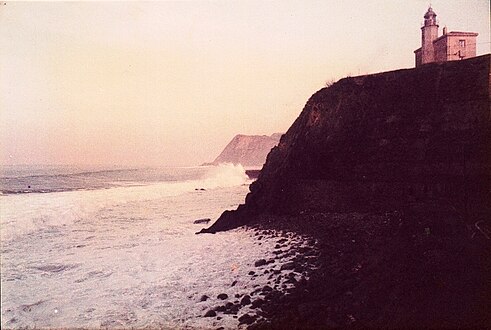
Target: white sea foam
x,y
24,213
125,257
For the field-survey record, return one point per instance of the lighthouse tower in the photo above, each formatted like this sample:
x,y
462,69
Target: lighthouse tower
x,y
429,33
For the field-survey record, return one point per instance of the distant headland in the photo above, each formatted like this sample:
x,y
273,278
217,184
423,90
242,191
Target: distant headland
x,y
248,150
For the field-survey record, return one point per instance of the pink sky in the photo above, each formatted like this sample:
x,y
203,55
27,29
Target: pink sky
x,y
170,83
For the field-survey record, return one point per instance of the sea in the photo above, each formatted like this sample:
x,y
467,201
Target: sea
x,y
113,247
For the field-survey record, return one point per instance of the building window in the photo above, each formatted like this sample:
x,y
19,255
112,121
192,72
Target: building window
x,y
462,43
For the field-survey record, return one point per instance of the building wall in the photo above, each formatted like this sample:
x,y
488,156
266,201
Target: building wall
x,y
440,47
449,47
456,51
417,55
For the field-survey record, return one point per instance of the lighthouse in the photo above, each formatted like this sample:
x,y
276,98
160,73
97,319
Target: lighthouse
x,y
451,46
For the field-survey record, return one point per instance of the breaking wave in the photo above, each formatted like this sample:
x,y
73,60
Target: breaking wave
x,y
24,213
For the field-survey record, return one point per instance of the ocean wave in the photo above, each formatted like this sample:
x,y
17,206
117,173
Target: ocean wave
x,y
23,213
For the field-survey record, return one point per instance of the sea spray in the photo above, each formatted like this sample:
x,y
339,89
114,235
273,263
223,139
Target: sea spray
x,y
225,175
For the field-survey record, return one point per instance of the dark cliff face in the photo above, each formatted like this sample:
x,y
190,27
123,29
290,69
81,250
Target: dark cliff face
x,y
410,139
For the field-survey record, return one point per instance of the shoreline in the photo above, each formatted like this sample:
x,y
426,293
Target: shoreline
x,y
281,271
382,270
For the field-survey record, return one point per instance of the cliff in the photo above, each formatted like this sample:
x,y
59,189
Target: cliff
x,y
248,150
414,139
390,173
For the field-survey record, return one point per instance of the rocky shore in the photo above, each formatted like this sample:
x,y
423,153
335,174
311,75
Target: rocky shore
x,y
363,270
291,263
385,270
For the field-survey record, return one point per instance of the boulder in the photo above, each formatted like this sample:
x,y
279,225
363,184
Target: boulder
x,y
246,300
288,266
220,308
257,303
247,319
222,296
199,221
210,313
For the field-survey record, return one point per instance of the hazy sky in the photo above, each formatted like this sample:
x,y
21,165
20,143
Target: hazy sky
x,y
170,83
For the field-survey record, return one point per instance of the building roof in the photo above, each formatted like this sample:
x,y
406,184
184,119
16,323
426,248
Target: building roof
x,y
456,34
466,34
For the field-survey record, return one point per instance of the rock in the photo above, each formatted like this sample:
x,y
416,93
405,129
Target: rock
x,y
267,288
260,262
234,283
247,319
205,221
246,300
222,296
220,308
210,313
288,266
255,291
257,303
204,298
252,272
